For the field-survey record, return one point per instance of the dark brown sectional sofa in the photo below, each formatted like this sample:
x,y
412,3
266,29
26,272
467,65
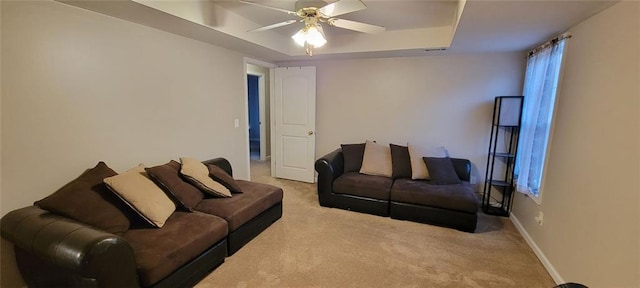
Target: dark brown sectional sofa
x,y
453,205
56,251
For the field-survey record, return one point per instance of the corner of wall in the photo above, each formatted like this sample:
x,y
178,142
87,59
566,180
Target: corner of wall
x,y
536,250
1,106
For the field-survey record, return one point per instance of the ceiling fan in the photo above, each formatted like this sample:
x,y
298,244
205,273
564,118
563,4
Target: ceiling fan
x,y
312,35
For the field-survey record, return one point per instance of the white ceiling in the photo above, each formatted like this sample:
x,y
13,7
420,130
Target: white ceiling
x,y
519,25
412,26
415,14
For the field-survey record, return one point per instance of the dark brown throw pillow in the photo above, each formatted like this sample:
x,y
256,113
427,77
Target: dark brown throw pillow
x,y
167,176
441,171
401,161
353,154
224,178
88,200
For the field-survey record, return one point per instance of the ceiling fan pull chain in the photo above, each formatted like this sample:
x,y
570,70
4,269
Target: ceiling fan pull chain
x,y
309,49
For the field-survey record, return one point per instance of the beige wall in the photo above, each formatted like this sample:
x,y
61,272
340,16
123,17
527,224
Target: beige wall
x,y
439,100
9,272
80,87
590,196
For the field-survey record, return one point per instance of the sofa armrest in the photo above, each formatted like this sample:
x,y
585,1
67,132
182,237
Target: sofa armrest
x,y
88,253
329,167
222,163
463,168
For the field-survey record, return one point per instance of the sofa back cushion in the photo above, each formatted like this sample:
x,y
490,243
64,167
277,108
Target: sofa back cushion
x,y
185,195
418,167
223,178
401,161
376,160
198,174
140,193
441,171
353,154
88,200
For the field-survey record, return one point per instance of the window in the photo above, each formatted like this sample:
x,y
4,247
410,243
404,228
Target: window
x,y
540,87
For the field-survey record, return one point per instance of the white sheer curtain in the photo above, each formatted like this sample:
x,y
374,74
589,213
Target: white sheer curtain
x,y
540,86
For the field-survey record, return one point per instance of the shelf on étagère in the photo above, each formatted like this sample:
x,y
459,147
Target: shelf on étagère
x,y
504,155
491,210
500,183
505,126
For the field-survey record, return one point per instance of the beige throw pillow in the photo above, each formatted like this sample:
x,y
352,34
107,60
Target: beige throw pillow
x,y
376,160
198,175
418,167
141,194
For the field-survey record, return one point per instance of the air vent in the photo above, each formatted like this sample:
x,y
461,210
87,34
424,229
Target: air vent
x,y
435,49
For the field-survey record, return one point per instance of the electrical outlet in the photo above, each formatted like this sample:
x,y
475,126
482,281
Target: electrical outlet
x,y
540,218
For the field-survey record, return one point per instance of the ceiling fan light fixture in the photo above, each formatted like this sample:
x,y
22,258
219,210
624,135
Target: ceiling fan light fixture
x,y
300,37
311,34
315,36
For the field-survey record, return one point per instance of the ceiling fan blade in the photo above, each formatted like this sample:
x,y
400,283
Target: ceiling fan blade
x,y
269,7
356,26
272,26
342,7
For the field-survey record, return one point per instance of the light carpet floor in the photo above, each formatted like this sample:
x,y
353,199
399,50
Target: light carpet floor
x,y
314,246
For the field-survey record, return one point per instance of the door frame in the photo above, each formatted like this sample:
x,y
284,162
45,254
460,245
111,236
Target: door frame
x,y
261,93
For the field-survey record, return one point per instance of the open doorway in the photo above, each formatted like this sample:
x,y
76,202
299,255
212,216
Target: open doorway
x,y
259,122
254,117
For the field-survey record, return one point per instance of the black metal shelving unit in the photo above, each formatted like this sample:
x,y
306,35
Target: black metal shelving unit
x,y
498,190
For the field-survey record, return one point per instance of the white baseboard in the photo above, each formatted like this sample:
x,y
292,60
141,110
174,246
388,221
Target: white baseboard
x,y
545,262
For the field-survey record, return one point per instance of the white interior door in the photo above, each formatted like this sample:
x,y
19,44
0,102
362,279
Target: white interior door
x,y
295,123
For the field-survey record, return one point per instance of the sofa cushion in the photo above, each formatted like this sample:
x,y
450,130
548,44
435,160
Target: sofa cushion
x,y
353,154
459,197
354,183
441,171
169,178
139,192
418,167
88,200
198,175
224,178
376,160
184,236
239,209
400,161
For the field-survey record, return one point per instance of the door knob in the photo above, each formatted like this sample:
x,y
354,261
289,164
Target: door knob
x,y
310,133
